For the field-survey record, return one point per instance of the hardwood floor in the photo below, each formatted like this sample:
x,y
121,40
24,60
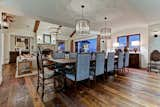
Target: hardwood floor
x,y
136,89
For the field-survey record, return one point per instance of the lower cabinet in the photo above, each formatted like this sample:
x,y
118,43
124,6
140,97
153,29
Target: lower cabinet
x,y
134,59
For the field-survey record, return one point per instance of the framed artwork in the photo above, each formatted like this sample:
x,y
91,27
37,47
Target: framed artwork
x,y
22,43
46,39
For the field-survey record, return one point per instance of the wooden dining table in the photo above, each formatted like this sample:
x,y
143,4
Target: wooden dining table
x,y
70,61
63,61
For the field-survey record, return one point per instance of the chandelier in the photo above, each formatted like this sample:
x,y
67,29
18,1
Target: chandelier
x,y
106,31
82,25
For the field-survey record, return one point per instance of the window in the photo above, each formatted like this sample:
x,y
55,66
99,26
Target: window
x,y
61,45
122,42
133,38
46,39
128,41
86,45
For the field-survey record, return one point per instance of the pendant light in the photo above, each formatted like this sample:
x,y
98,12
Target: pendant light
x,y
106,31
82,25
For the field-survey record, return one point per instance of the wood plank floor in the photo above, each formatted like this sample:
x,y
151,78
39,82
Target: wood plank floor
x,y
137,88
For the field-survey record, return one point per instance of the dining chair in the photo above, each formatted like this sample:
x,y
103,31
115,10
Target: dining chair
x,y
44,74
81,71
119,64
126,61
110,62
57,55
72,55
99,68
70,67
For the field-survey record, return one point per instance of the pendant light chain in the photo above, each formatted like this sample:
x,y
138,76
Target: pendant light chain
x,y
82,11
105,24
106,31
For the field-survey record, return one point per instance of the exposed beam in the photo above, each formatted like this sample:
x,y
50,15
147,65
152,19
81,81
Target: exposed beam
x,y
72,42
36,25
98,43
72,46
73,33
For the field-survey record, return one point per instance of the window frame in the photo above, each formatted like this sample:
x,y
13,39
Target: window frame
x,y
77,42
44,38
127,36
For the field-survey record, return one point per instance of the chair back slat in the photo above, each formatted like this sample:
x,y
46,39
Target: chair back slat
x,y
120,60
72,55
126,59
83,65
58,55
110,62
100,61
39,60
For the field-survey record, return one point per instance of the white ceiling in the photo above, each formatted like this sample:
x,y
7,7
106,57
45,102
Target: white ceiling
x,y
25,23
46,27
120,13
21,22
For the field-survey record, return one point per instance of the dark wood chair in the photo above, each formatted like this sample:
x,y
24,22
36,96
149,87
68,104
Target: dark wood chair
x,y
47,51
154,61
45,74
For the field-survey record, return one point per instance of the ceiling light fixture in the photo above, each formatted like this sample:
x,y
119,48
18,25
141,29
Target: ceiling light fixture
x,y
82,25
106,31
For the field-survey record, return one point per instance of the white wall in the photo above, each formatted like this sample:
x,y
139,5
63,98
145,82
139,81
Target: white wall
x,y
7,46
67,45
80,38
1,54
143,31
106,44
154,42
20,32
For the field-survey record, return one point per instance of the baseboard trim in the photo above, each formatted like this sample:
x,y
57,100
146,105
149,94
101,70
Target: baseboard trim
x,y
1,76
6,61
144,68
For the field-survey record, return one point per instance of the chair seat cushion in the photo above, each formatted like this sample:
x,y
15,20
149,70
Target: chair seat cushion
x,y
69,67
71,76
92,68
116,66
91,73
48,73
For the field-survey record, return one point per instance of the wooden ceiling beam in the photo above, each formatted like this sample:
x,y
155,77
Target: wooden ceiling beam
x,y
98,43
73,33
36,25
